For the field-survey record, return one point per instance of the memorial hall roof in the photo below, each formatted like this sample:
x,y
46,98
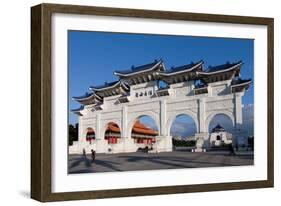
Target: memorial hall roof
x,y
112,127
138,128
218,128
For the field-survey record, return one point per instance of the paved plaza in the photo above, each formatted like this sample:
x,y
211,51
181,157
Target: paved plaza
x,y
151,161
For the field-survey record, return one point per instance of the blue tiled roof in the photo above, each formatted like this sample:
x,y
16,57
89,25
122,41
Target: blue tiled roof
x,y
78,109
106,84
87,94
222,66
138,68
218,128
182,68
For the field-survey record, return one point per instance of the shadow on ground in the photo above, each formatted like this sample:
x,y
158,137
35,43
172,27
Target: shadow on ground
x,y
147,161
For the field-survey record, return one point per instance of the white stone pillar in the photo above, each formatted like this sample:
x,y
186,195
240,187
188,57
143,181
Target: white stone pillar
x,y
81,132
125,121
238,110
128,143
202,136
98,127
163,118
201,116
164,140
101,145
238,117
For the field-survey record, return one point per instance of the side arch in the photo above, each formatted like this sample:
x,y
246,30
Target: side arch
x,y
213,114
105,124
174,115
86,133
133,118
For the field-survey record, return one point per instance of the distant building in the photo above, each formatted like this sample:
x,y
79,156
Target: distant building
x,y
219,137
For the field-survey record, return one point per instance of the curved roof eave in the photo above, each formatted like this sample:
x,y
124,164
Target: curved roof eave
x,y
141,71
83,98
182,71
77,110
104,88
241,84
221,71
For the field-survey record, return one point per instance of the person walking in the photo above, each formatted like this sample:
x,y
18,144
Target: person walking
x,y
84,153
93,154
231,149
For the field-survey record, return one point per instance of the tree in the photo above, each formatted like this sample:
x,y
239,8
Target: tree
x,y
72,133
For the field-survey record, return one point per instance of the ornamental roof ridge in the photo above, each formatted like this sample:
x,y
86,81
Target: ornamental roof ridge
x,y
181,69
140,69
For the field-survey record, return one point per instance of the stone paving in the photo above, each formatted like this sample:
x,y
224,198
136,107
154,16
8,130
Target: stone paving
x,y
149,161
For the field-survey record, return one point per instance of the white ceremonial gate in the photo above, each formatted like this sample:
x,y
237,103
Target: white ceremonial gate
x,y
189,89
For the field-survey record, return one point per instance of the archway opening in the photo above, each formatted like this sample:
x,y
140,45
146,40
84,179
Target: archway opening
x,y
90,135
144,132
221,131
183,131
223,120
112,133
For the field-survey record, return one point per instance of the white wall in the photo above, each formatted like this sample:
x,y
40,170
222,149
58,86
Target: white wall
x,y
15,103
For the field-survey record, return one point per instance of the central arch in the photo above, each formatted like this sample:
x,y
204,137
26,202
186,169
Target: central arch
x,y
135,117
112,133
174,115
144,132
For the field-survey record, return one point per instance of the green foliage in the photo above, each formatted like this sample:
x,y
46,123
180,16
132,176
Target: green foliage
x,y
72,133
183,143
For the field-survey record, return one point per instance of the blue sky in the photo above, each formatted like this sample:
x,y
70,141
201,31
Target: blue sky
x,y
94,56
